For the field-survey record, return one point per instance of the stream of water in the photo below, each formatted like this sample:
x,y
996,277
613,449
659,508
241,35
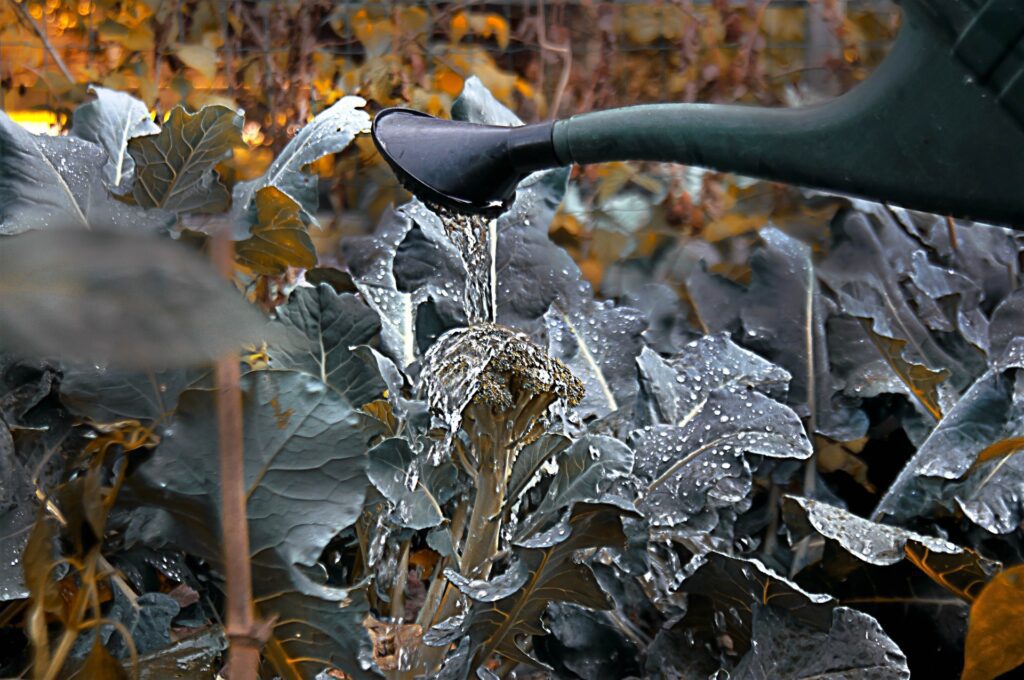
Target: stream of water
x,y
475,238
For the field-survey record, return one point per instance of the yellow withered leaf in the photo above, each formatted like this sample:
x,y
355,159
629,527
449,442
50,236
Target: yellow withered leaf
x,y
995,639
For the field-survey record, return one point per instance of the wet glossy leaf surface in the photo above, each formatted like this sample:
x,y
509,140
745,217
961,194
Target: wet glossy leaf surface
x,y
854,647
57,182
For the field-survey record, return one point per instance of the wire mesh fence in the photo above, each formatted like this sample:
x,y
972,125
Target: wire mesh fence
x,y
549,57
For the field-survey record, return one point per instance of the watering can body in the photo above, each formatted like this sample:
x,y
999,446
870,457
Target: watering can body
x,y
939,127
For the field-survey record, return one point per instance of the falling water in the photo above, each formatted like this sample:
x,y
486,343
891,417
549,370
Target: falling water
x,y
475,238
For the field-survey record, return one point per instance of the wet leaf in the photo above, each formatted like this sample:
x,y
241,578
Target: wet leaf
x,y
126,300
175,169
994,642
110,121
147,619
370,260
586,470
196,655
24,386
855,646
527,468
959,570
879,365
305,463
414,486
697,461
305,449
446,632
280,237
17,515
1007,320
494,589
599,343
109,395
553,575
783,315
675,390
476,104
675,654
724,591
56,182
870,263
945,471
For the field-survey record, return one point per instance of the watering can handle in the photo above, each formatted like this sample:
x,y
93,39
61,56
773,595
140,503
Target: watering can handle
x,y
939,126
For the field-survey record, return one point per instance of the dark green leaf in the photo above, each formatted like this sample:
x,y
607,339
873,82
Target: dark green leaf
x,y
196,656
109,395
110,121
959,570
709,394
414,486
783,318
175,169
871,258
305,448
476,104
585,472
370,260
584,644
528,463
17,514
329,327
878,544
57,182
599,343
990,411
553,575
723,590
329,132
497,588
855,646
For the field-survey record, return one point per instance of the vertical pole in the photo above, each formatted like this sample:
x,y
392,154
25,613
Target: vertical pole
x,y
244,650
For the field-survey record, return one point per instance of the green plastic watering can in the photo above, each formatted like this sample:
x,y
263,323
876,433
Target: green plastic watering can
x,y
938,127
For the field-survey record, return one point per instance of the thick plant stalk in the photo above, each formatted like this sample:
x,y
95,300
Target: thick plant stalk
x,y
244,650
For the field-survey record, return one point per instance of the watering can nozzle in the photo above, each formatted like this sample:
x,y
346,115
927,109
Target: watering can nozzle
x,y
463,166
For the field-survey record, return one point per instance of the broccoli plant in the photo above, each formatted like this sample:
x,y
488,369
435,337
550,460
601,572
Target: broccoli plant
x,y
460,460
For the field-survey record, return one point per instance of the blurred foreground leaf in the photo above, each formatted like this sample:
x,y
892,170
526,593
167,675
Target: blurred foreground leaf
x,y
122,299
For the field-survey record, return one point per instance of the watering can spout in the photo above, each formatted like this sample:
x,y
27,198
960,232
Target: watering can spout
x,y
938,127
